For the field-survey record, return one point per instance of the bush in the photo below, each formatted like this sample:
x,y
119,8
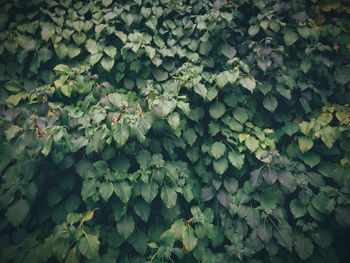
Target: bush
x,y
175,131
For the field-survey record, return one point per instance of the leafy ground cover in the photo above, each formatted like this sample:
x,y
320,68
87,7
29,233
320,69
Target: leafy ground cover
x,y
174,131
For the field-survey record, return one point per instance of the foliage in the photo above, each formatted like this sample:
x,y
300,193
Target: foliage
x,y
174,131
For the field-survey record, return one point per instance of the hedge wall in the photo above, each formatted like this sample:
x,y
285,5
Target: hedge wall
x,y
174,131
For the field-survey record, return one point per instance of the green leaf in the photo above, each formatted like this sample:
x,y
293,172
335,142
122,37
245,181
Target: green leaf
x,y
142,209
149,191
94,58
174,120
126,226
189,239
216,110
107,2
290,37
265,232
305,143
111,51
168,196
107,63
217,150
47,31
92,46
190,136
61,68
268,200
139,241
106,190
303,246
12,132
72,256
121,133
67,90
200,89
284,236
248,83
251,143
297,208
311,159
17,212
241,115
220,166
123,191
253,30
228,51
236,159
322,203
73,51
89,245
323,237
270,103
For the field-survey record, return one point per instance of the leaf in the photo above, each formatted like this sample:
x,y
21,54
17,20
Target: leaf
x,y
323,237
268,200
248,83
290,38
265,232
149,191
168,196
216,110
305,143
111,51
142,209
303,246
121,133
189,239
297,208
190,136
253,30
270,103
218,149
72,256
160,75
231,185
94,58
151,52
92,46
174,120
200,89
236,159
17,212
284,236
251,143
89,245
47,31
67,90
107,63
107,2
73,51
139,241
62,68
241,115
126,226
322,203
207,193
270,175
12,132
220,166
311,159
123,191
228,51
106,190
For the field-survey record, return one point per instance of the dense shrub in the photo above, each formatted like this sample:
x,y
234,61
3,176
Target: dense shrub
x,y
174,131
